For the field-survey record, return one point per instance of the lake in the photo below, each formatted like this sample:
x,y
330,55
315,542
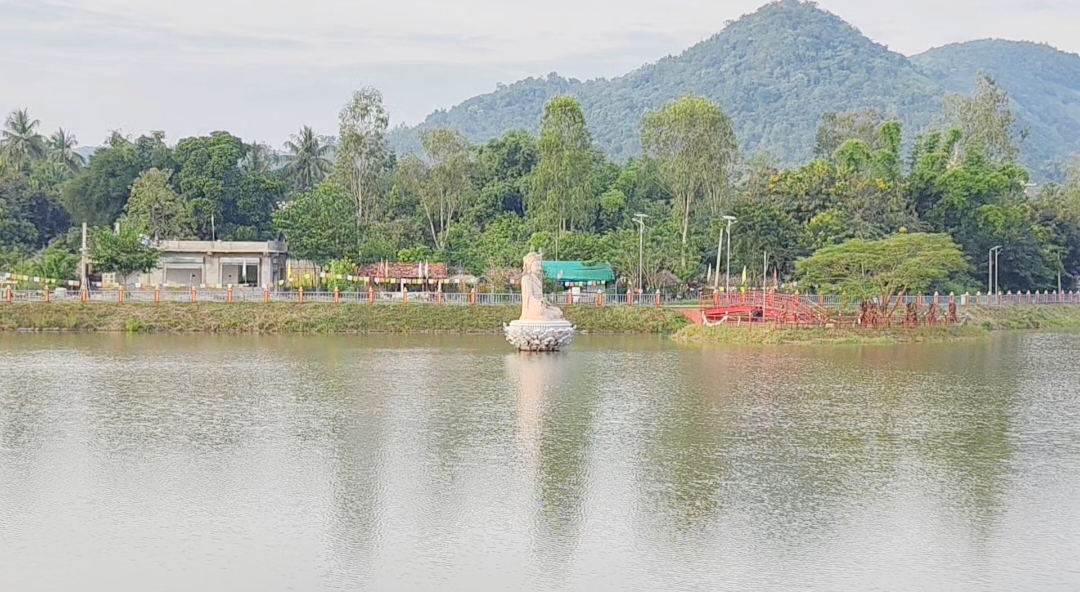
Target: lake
x,y
134,462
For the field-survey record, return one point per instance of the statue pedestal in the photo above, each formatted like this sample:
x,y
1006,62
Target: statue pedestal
x,y
539,336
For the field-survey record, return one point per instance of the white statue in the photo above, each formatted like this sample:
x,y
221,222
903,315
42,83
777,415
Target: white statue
x,y
541,327
533,305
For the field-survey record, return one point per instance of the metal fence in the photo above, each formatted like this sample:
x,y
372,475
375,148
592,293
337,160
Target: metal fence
x,y
563,299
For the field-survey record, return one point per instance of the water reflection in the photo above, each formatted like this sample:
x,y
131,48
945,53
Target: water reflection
x,y
435,462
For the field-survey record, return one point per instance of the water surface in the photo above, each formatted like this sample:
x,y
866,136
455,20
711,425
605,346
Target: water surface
x,y
450,463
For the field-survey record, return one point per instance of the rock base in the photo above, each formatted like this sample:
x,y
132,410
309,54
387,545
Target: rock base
x,y
539,336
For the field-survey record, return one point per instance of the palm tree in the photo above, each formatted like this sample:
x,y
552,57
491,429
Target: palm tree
x,y
308,159
20,142
259,159
61,147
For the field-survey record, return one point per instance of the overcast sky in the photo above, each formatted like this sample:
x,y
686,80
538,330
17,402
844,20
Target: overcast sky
x,y
263,68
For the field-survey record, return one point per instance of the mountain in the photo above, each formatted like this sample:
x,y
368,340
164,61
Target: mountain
x,y
776,71
1043,83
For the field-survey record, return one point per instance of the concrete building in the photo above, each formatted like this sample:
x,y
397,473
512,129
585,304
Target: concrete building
x,y
217,263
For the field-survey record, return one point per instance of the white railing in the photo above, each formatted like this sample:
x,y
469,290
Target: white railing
x,y
563,299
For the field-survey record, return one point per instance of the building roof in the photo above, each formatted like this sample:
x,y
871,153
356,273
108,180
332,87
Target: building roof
x,y
211,247
405,271
578,271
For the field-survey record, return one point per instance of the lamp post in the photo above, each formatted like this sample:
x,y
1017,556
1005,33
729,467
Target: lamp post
x,y
727,275
640,219
992,266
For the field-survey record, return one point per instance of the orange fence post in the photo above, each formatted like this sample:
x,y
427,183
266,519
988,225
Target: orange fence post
x,y
371,295
404,296
46,294
301,294
438,297
658,299
266,295
228,295
569,299
157,294
120,295
472,297
9,295
337,296
600,300
193,296
630,298
82,295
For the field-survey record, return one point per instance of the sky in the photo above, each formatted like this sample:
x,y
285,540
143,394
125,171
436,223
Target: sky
x,y
262,68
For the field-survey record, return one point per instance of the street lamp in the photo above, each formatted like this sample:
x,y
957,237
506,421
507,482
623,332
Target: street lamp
x,y
640,219
991,278
727,276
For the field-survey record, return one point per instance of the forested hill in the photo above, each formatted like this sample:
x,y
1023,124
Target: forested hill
x,y
775,72
1044,84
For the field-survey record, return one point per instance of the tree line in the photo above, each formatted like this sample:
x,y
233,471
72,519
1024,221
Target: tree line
x,y
348,199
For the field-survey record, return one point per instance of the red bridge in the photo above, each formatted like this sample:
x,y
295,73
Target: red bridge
x,y
759,307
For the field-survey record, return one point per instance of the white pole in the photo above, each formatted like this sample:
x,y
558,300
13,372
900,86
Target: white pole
x,y
765,273
997,272
719,253
727,277
83,264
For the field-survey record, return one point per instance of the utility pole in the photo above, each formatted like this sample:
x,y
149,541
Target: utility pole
x,y
991,265
719,255
727,277
84,262
640,219
997,272
765,274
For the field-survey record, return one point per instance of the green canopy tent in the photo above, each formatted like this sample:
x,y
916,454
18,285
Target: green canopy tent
x,y
578,272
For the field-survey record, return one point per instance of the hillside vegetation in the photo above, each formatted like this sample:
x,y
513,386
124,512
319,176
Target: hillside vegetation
x,y
1043,83
777,71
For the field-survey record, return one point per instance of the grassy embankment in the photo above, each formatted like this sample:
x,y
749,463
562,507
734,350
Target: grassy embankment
x,y
975,323
311,318
360,318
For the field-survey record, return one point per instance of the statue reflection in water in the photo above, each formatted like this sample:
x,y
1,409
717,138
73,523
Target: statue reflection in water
x,y
553,424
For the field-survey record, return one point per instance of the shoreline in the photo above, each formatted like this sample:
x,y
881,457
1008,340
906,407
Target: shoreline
x,y
355,318
314,318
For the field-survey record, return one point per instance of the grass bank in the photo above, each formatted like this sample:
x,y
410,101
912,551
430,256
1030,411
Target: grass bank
x,y
272,318
975,323
1052,316
768,335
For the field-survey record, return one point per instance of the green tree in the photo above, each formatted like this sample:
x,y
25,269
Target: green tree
x,y
883,269
319,224
837,128
20,142
694,144
156,209
99,193
986,120
503,172
447,187
258,159
124,253
307,162
227,201
208,176
362,154
61,149
563,192
56,261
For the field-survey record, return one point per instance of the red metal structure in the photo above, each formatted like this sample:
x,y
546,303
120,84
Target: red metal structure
x,y
761,307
